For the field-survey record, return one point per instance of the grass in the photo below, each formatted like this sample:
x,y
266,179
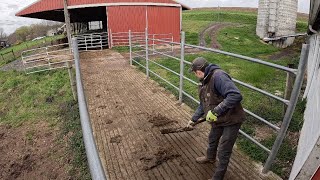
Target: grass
x,y
71,128
24,97
45,97
196,20
241,39
8,56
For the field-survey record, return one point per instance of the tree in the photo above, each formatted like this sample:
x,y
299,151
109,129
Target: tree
x,y
22,33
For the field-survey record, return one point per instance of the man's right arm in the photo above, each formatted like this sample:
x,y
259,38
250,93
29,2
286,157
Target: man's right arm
x,y
198,113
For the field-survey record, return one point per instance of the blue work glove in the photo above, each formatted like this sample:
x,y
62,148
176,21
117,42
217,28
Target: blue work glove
x,y
211,117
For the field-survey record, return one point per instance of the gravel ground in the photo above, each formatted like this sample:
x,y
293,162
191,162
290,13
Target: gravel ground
x,y
14,65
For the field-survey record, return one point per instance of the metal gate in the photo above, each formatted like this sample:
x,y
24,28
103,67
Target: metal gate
x,y
143,51
93,41
46,58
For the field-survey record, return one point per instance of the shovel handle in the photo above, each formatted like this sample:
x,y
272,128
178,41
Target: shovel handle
x,y
199,121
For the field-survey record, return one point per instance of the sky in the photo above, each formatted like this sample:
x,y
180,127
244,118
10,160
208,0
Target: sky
x,y
9,22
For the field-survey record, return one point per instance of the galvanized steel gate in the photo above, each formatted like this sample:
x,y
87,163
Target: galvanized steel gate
x,y
135,52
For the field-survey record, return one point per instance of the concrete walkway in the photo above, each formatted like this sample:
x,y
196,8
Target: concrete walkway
x,y
128,112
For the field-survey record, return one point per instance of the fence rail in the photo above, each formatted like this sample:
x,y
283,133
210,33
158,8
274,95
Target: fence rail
x,y
92,41
46,58
15,53
95,166
138,40
281,131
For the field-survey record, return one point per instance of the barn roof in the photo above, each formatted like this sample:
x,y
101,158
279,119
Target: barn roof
x,y
53,9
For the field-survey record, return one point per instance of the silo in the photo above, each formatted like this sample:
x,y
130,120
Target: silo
x,y
277,18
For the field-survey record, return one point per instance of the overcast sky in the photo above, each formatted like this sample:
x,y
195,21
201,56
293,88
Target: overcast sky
x,y
10,22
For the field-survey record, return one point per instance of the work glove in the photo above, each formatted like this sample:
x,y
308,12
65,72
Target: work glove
x,y
211,117
190,124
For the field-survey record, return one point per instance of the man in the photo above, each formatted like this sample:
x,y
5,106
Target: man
x,y
220,103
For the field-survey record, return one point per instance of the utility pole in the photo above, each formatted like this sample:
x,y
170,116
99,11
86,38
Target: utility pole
x,y
69,66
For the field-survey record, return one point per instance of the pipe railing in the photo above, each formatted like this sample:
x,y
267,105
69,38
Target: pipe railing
x,y
281,131
92,41
95,166
46,58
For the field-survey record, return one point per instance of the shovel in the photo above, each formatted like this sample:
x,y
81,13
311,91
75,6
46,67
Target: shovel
x,y
181,129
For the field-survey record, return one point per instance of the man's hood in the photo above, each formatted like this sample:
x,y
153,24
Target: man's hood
x,y
207,72
210,68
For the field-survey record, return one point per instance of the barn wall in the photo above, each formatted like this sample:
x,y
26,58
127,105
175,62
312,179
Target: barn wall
x,y
306,163
164,20
124,18
161,20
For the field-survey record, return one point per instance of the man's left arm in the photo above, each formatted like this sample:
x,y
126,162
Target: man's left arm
x,y
228,90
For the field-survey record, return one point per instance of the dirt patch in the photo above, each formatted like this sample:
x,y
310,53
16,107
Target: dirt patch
x,y
160,120
26,155
49,99
102,107
212,31
293,138
282,54
116,139
1,135
108,122
263,132
26,165
14,65
155,159
289,52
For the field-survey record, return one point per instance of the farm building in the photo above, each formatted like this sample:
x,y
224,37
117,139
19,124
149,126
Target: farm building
x,y
113,16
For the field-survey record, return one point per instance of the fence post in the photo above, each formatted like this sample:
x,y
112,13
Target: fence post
x,y
147,54
181,66
289,85
130,47
47,53
72,81
111,43
91,40
153,48
101,41
85,42
292,104
14,56
172,41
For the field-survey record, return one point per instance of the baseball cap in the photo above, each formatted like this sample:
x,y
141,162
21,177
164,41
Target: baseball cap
x,y
197,64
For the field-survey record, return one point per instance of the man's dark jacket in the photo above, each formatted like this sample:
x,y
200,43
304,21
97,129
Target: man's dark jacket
x,y
219,94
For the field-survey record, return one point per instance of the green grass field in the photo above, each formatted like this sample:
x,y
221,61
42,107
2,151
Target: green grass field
x,y
45,97
240,38
196,20
6,55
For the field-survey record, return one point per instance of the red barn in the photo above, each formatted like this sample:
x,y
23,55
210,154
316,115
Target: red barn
x,y
159,16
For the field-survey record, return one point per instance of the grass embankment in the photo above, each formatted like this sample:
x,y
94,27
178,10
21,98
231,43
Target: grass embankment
x,y
46,96
7,56
240,38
